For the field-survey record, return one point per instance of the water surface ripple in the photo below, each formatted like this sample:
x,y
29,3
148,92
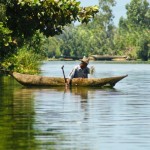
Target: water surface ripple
x,y
79,118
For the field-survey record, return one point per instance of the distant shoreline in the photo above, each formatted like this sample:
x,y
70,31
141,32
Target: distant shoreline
x,y
105,61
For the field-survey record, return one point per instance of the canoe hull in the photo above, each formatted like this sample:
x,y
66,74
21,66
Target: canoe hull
x,y
35,80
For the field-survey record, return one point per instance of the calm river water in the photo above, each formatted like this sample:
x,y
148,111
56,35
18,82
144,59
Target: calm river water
x,y
81,118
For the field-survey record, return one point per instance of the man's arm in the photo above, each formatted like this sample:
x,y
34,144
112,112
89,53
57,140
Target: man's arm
x,y
70,77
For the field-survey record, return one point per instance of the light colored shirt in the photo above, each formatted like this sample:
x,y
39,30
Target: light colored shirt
x,y
78,72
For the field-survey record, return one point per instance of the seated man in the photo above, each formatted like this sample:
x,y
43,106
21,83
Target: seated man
x,y
80,71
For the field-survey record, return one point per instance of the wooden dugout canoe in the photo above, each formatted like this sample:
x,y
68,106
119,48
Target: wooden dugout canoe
x,y
36,80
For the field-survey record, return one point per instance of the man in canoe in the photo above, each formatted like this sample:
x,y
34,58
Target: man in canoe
x,y
80,71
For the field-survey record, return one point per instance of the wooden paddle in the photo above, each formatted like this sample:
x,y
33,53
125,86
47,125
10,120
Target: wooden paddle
x,y
64,74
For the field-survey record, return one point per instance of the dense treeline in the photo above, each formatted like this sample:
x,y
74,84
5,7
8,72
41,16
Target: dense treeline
x,y
26,24
131,38
33,30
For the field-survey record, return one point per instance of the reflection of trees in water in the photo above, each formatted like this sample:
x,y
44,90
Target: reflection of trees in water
x,y
16,119
5,115
43,136
19,121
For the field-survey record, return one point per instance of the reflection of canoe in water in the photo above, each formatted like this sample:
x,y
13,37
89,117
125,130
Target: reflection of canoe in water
x,y
35,80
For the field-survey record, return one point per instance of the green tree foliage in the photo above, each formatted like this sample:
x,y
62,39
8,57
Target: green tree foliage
x,y
21,19
6,43
23,61
51,47
138,13
25,17
35,44
49,16
76,41
133,37
106,15
101,37
144,45
103,28
29,23
5,40
94,38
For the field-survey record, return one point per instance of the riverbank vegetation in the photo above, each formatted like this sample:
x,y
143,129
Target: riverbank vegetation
x,y
32,31
25,24
100,37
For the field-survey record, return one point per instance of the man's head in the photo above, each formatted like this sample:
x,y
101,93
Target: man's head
x,y
84,62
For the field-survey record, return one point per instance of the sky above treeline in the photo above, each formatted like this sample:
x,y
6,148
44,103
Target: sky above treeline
x,y
118,11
